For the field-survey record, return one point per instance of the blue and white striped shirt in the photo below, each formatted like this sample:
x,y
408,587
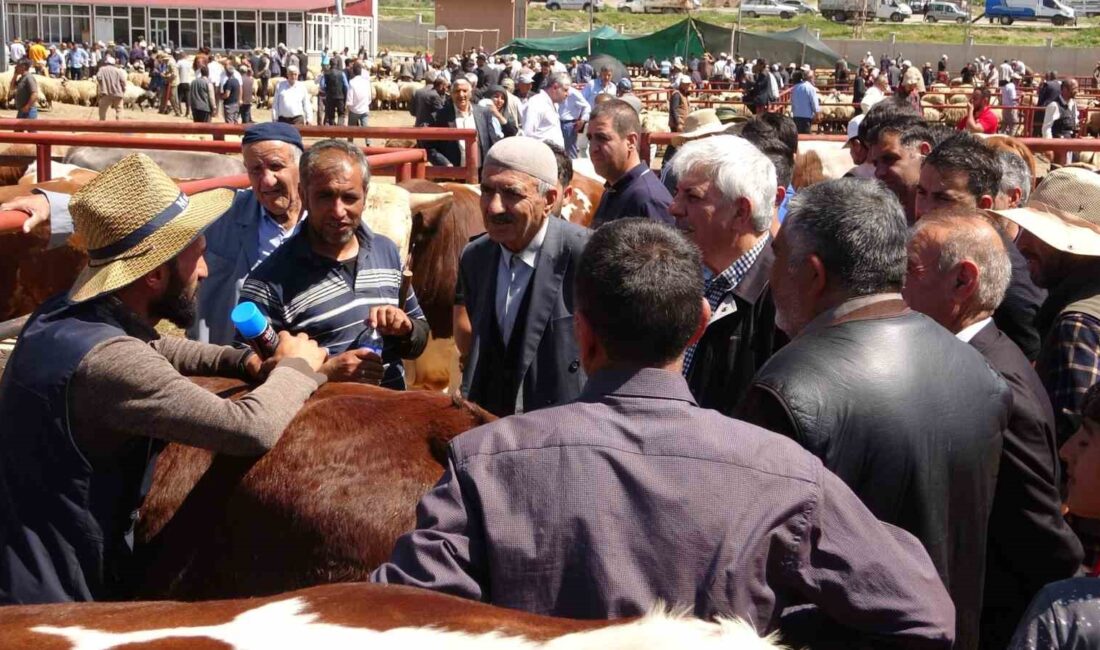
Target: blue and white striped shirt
x,y
301,291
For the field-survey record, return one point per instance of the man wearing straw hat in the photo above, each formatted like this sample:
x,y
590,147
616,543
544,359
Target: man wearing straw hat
x,y
92,392
702,123
1060,240
257,222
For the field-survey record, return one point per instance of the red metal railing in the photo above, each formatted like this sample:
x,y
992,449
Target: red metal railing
x,y
409,163
218,132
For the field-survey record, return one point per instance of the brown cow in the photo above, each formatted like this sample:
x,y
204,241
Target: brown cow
x,y
345,616
28,272
324,505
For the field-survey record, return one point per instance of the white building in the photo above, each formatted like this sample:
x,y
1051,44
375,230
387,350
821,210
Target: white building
x,y
190,24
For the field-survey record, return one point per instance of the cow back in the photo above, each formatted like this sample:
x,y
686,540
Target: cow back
x,y
324,505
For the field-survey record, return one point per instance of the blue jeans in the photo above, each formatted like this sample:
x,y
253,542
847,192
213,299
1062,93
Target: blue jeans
x,y
29,115
569,134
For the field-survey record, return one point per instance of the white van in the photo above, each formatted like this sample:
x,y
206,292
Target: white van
x,y
944,11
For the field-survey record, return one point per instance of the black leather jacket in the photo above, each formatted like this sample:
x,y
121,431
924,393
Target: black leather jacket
x,y
735,346
911,418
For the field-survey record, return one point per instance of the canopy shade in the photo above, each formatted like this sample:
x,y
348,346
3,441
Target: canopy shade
x,y
684,39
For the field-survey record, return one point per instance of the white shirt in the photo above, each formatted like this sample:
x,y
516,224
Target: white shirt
x,y
541,121
575,107
359,90
185,70
1054,112
871,97
217,73
292,101
970,331
17,52
513,275
1006,70
464,121
1008,95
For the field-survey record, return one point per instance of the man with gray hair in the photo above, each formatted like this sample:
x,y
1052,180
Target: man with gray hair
x,y
959,270
514,302
905,413
725,200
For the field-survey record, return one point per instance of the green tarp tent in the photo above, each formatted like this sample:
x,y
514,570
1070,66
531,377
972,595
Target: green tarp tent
x,y
686,38
681,39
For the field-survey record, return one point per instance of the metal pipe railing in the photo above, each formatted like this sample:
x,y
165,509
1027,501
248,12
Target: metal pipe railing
x,y
409,163
466,174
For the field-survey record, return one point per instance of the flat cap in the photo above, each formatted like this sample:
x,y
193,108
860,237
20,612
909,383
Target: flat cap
x,y
265,131
523,154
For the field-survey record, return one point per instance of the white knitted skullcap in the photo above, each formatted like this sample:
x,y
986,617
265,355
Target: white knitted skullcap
x,y
523,154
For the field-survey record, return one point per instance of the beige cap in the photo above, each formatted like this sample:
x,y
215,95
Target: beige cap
x,y
1064,211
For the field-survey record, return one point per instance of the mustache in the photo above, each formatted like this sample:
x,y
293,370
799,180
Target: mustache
x,y
500,218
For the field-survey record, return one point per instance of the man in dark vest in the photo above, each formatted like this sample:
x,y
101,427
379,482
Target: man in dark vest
x,y
91,393
910,417
959,268
1060,115
1061,243
334,84
514,302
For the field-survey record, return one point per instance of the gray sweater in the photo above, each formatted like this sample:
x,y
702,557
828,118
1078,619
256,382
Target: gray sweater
x,y
125,387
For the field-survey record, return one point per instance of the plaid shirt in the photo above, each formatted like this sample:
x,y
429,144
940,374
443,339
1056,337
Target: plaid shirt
x,y
719,285
1078,366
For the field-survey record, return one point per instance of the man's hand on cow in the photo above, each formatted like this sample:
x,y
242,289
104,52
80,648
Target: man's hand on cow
x,y
295,346
390,321
36,206
361,365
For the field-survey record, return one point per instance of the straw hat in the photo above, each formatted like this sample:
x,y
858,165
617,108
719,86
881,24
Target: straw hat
x,y
134,218
701,123
1063,211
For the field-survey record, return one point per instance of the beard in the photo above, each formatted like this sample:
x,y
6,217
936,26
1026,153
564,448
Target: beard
x,y
178,304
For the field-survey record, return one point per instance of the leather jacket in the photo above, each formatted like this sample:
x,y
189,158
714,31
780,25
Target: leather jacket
x,y
910,417
737,344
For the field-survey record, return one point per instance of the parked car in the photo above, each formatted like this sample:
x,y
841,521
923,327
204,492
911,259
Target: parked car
x,y
659,6
754,8
945,11
554,5
805,7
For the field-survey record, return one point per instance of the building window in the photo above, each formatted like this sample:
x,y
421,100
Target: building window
x,y
66,23
114,24
24,17
175,28
281,27
229,30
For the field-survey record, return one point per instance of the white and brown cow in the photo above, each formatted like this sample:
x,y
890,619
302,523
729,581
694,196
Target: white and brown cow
x,y
347,616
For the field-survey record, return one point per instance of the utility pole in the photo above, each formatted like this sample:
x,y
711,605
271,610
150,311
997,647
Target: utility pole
x,y
5,38
591,9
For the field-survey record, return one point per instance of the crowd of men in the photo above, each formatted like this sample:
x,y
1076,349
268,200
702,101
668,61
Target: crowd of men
x,y
843,412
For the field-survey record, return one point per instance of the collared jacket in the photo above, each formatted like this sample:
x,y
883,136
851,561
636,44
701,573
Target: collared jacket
x,y
909,416
549,370
739,339
633,494
1030,544
483,122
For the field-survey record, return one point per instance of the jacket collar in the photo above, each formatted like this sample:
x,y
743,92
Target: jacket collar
x,y
873,307
752,287
622,381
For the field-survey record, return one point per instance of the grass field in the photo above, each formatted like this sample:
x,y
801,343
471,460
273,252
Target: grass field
x,y
576,21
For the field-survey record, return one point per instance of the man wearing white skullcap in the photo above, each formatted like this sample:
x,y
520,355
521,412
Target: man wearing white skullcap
x,y
514,299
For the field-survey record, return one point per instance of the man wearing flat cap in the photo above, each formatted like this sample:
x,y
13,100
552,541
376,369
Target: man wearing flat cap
x,y
514,302
258,221
1060,240
92,393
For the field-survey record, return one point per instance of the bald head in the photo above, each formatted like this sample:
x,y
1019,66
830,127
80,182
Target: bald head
x,y
958,267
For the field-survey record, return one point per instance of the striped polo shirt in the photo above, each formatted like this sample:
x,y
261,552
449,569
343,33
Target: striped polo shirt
x,y
302,291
